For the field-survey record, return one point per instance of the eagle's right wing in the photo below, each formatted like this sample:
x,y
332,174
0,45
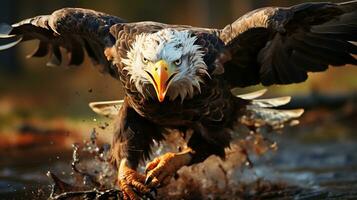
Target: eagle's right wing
x,y
75,29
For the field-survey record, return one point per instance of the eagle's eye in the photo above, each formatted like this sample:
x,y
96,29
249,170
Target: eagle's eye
x,y
145,60
178,62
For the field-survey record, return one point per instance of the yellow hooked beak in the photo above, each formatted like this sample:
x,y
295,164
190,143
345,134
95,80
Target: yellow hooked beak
x,y
160,75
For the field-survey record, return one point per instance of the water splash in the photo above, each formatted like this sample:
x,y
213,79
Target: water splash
x,y
93,176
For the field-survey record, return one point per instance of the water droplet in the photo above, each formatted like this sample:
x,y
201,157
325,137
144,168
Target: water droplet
x,y
274,146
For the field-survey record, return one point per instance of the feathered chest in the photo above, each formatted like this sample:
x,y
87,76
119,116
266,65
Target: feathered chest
x,y
214,103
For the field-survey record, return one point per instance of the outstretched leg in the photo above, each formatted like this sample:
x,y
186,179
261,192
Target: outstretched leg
x,y
161,169
132,144
130,181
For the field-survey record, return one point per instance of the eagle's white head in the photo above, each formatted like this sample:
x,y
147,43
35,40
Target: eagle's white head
x,y
170,61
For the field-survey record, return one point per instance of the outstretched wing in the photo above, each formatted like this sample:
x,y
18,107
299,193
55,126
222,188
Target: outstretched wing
x,y
75,29
280,45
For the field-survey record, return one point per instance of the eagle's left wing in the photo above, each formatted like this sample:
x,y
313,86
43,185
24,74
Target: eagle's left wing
x,y
75,29
280,45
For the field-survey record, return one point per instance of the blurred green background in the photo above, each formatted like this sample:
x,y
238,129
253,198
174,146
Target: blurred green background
x,y
28,89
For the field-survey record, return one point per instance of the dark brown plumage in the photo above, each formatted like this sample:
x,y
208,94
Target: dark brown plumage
x,y
268,46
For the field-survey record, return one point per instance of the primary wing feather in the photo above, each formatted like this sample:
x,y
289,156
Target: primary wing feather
x,y
280,45
74,29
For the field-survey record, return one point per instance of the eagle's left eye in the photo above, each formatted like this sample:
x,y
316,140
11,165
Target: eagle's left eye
x,y
145,60
178,62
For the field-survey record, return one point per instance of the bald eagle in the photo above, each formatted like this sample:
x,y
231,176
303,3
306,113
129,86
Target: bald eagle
x,y
180,77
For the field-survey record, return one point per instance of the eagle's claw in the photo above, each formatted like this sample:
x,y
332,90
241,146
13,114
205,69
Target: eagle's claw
x,y
148,180
131,182
161,169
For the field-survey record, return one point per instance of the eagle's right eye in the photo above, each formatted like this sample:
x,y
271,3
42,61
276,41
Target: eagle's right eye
x,y
178,62
145,60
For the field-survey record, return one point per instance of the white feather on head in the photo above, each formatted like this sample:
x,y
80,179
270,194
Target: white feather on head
x,y
169,45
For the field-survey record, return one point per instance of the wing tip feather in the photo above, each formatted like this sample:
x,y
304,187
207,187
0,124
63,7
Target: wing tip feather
x,y
10,44
106,108
252,95
272,102
295,113
5,31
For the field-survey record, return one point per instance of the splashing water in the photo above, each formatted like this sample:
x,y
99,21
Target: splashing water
x,y
94,177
